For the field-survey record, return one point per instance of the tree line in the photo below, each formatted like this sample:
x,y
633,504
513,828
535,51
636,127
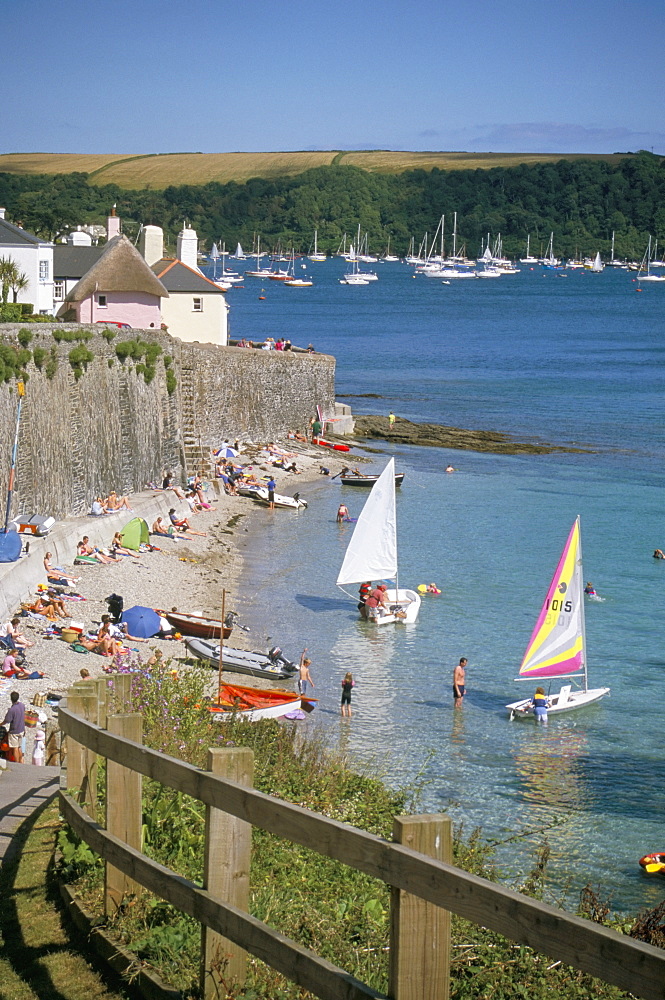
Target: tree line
x,y
582,202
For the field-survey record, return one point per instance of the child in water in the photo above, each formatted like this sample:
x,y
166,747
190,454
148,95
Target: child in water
x,y
348,685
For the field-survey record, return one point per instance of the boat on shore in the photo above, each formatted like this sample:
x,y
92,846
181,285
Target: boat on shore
x,y
198,625
557,648
368,481
271,664
372,552
330,444
261,495
254,703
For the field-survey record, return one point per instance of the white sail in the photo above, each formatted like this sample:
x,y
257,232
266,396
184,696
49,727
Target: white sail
x,y
372,551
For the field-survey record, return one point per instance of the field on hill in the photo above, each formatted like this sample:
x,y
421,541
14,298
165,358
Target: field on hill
x,y
160,170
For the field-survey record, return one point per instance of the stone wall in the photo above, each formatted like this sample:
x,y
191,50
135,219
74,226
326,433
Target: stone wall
x,y
110,430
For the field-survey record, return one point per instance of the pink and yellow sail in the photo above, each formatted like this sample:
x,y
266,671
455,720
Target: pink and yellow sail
x,y
556,647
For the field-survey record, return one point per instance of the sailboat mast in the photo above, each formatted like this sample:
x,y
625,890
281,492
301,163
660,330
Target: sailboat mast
x,y
581,588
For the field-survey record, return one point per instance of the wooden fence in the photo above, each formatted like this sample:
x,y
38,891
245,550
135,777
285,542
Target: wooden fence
x,y
425,886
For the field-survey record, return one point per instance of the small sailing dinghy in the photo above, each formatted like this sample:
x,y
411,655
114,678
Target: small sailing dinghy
x,y
557,648
372,551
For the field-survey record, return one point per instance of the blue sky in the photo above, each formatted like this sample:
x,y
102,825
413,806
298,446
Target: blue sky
x,y
186,75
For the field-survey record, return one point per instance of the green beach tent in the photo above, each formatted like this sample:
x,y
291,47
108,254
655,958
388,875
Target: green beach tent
x,y
135,533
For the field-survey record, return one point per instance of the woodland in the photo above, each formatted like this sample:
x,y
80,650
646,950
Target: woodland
x,y
582,202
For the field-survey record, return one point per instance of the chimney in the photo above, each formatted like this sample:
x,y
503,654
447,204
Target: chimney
x,y
112,225
188,246
151,244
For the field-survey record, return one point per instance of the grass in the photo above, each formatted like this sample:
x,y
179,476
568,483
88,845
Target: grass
x,y
158,171
39,957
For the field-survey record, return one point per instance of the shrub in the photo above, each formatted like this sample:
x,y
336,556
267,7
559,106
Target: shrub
x,y
24,337
52,364
71,336
10,312
38,356
79,359
171,382
108,335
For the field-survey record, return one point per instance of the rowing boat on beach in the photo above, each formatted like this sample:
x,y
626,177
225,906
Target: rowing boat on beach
x,y
197,625
253,703
271,664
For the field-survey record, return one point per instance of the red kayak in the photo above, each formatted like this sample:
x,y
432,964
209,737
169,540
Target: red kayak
x,y
329,444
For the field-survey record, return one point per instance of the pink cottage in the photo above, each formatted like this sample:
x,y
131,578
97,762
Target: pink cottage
x,y
118,288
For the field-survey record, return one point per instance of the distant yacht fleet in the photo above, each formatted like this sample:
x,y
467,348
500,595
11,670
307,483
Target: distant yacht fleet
x,y
430,261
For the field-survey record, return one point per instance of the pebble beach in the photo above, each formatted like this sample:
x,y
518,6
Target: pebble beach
x,y
190,574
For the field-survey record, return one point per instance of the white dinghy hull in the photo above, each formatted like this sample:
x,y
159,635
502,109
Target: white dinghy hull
x,y
564,701
409,602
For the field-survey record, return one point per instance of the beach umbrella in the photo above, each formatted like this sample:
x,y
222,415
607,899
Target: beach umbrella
x,y
227,453
141,622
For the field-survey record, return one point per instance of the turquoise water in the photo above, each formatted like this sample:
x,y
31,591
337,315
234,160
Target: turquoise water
x,y
576,359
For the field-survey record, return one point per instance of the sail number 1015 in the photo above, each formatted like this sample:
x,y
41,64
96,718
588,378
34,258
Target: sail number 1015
x,y
557,606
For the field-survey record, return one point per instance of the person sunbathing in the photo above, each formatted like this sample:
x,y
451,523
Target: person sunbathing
x,y
182,524
11,668
159,528
87,551
57,573
167,484
104,643
98,508
114,502
14,637
118,549
49,606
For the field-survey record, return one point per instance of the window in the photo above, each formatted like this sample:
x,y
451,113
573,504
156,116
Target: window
x,y
58,290
198,305
101,301
43,270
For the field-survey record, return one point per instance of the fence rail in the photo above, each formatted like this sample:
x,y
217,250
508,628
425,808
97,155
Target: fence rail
x,y
591,948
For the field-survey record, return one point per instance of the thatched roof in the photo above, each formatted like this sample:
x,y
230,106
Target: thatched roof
x,y
121,268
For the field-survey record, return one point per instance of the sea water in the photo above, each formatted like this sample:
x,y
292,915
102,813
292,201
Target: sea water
x,y
564,357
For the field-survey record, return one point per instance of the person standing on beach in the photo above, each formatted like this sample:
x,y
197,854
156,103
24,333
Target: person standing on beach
x,y
15,722
305,677
317,427
391,419
459,678
348,685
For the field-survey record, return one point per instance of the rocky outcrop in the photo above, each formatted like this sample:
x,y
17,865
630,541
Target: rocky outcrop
x,y
439,436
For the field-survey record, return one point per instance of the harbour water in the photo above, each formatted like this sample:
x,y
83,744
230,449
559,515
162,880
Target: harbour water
x,y
568,357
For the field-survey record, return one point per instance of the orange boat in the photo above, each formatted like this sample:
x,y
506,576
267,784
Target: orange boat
x,y
255,703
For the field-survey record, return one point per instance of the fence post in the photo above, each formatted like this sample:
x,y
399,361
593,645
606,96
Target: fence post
x,y
420,931
228,847
119,689
81,762
123,809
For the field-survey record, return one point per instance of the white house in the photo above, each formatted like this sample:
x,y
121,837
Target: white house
x,y
33,257
196,309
